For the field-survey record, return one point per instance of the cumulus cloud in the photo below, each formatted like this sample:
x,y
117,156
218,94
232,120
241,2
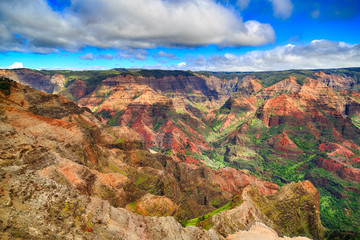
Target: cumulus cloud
x,y
87,56
317,54
282,8
182,64
34,26
15,65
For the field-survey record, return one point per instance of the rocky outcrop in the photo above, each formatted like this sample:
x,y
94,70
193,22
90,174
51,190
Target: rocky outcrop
x,y
151,205
248,86
284,144
287,86
342,169
290,211
75,91
232,180
59,82
279,110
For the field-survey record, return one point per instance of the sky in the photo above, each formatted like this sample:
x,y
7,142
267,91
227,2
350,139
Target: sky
x,y
198,35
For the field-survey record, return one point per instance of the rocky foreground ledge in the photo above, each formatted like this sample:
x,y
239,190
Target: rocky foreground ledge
x,y
63,175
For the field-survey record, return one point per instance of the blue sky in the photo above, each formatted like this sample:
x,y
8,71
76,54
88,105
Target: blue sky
x,y
215,35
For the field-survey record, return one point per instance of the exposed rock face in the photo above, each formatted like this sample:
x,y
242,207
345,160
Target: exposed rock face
x,y
171,83
335,81
59,82
248,86
116,94
279,110
296,103
284,144
288,85
241,104
340,168
151,205
232,180
76,90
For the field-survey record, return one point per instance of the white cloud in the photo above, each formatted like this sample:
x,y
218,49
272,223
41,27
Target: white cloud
x,y
15,65
34,26
182,64
317,54
282,8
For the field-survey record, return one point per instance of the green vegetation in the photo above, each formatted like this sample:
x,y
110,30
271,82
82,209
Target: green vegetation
x,y
339,208
114,121
164,73
355,120
268,78
181,156
197,221
105,114
5,84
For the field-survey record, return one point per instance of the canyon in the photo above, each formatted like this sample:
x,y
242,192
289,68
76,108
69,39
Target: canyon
x,y
150,154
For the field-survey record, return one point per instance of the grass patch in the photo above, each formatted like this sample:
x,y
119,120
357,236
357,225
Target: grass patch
x,y
196,221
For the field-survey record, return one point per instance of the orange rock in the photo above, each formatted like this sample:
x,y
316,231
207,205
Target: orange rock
x,y
279,109
288,85
151,205
232,180
283,143
335,81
